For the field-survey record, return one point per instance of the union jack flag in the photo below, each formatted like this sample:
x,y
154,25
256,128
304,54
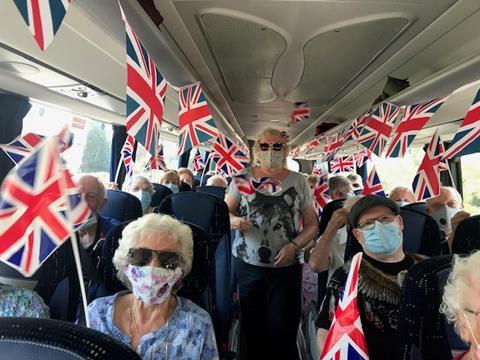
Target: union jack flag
x,y
414,119
227,155
312,145
373,184
320,193
158,162
198,163
334,143
426,183
345,339
195,120
378,127
342,164
353,133
248,185
33,210
43,18
65,138
301,112
294,153
22,146
79,210
467,138
361,157
146,89
127,152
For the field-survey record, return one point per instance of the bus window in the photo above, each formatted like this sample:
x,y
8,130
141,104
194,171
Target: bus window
x,y
90,152
471,182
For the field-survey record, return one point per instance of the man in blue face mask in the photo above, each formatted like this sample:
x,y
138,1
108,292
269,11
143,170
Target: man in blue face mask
x,y
377,226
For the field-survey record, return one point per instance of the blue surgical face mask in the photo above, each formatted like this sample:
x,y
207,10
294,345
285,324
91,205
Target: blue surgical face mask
x,y
383,239
350,195
145,198
402,203
172,187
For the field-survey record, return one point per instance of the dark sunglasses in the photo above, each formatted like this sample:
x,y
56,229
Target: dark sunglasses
x,y
143,256
275,147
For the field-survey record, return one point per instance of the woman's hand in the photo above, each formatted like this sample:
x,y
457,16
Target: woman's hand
x,y
241,223
286,255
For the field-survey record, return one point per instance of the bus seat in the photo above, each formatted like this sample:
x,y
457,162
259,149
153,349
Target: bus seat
x,y
217,191
184,187
421,234
201,181
121,206
161,192
46,339
418,206
420,322
56,282
467,236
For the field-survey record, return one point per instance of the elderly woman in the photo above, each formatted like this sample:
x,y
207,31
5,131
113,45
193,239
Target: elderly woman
x,y
461,304
154,254
142,188
171,180
267,247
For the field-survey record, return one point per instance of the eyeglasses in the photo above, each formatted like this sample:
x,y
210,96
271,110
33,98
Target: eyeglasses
x,y
143,256
370,224
275,147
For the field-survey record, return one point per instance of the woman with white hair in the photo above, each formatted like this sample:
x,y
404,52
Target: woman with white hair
x,y
142,188
461,304
154,254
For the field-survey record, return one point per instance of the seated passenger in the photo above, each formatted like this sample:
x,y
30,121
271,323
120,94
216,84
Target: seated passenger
x,y
378,228
186,175
357,183
154,254
461,304
217,180
312,181
446,209
21,302
93,190
142,188
402,195
171,180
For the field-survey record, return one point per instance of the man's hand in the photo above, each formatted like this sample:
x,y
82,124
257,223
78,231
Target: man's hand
x,y
338,220
241,223
286,255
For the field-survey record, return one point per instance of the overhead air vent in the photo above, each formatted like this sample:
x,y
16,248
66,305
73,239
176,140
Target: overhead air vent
x,y
333,59
246,53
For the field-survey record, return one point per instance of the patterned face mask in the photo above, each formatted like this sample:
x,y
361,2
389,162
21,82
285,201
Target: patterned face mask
x,y
150,284
270,158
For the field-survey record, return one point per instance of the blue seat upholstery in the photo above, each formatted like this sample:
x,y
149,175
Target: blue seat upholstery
x,y
184,187
467,236
46,339
161,192
418,206
121,206
421,234
217,191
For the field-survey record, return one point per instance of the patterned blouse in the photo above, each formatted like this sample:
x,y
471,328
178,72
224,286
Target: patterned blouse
x,y
188,334
20,302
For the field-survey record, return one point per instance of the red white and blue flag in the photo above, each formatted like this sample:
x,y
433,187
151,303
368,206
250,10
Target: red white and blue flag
x,y
353,133
43,18
361,157
146,89
22,146
426,183
312,145
321,195
65,139
127,154
467,138
248,186
229,158
301,112
373,186
158,162
198,163
414,119
345,339
34,218
378,127
79,210
195,120
342,164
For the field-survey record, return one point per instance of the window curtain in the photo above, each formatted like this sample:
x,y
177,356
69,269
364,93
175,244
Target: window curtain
x,y
119,137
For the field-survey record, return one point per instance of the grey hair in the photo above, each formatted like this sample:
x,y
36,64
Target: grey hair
x,y
354,177
161,225
144,180
395,190
455,191
337,182
271,132
464,271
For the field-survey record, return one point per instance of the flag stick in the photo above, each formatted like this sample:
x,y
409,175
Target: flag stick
x,y
78,263
117,174
205,168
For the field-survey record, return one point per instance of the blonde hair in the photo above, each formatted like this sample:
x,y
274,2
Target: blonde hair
x,y
170,176
272,132
162,225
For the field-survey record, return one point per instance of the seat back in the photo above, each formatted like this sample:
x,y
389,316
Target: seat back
x,y
421,233
204,210
420,322
46,339
184,187
467,236
217,191
418,206
121,206
161,192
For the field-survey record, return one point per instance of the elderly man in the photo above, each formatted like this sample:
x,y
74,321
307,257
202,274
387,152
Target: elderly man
x,y
402,195
97,226
447,210
377,226
357,183
217,180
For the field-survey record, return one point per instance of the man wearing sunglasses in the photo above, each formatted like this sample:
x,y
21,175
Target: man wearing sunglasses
x,y
377,226
267,244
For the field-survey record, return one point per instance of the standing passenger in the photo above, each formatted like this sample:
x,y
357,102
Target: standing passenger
x,y
266,246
